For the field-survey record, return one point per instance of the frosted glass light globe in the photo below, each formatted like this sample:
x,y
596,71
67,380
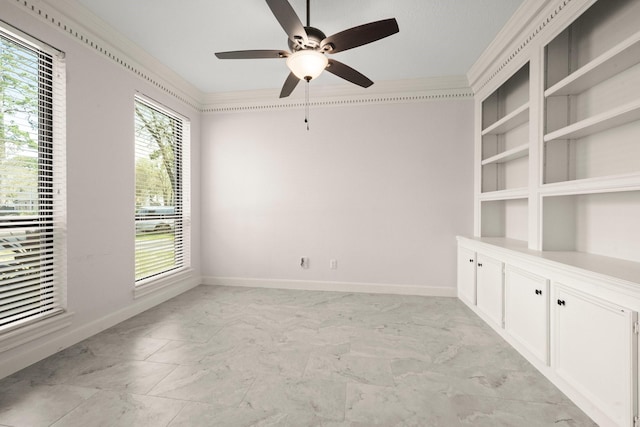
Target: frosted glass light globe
x,y
307,64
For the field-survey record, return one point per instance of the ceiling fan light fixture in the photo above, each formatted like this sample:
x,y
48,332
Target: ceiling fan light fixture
x,y
307,64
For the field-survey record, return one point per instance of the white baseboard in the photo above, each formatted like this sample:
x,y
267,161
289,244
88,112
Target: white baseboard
x,y
311,285
31,355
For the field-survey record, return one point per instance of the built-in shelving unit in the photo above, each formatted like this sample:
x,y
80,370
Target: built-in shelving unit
x,y
604,223
505,217
557,203
504,158
619,58
592,95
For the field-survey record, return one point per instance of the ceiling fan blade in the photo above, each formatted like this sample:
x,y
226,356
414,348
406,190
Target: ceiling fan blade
x,y
289,85
344,71
361,35
288,20
252,54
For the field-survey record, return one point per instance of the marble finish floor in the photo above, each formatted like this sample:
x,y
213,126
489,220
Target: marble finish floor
x,y
223,356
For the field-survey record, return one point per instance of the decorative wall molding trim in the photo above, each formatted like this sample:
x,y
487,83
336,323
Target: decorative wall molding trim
x,y
309,285
66,16
533,19
385,92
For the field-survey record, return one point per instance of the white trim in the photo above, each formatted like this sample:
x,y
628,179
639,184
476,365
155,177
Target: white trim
x,y
500,47
532,22
30,42
33,331
78,22
163,281
312,285
384,92
29,356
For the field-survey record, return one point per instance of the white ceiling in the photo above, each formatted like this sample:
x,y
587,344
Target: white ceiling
x,y
436,38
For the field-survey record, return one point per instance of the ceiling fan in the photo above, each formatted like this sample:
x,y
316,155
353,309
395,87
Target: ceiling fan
x,y
309,47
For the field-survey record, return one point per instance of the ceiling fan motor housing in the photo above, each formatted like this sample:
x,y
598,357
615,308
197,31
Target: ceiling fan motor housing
x,y
314,38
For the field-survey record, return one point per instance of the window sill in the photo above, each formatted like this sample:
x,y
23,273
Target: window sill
x,y
162,282
33,331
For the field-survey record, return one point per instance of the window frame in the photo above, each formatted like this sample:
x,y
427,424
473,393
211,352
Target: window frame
x,y
182,214
48,252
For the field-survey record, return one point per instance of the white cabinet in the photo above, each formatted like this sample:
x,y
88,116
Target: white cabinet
x,y
578,327
489,290
467,276
594,351
527,311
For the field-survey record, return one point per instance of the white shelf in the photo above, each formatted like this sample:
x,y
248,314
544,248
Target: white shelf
x,y
510,194
608,184
511,121
506,156
617,59
615,117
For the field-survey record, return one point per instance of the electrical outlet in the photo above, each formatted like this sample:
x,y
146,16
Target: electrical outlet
x,y
333,264
304,262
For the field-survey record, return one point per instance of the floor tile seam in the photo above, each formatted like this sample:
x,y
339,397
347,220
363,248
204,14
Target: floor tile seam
x,y
215,334
346,401
146,359
186,403
463,373
506,399
95,391
186,340
387,360
246,392
120,359
147,393
306,365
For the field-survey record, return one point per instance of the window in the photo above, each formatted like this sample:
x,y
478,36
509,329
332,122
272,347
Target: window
x,y
32,205
162,208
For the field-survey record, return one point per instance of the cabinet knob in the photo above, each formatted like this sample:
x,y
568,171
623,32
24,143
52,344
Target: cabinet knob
x,y
479,264
561,302
470,260
538,292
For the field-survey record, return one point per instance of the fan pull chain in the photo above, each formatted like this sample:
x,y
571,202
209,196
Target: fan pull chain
x,y
306,105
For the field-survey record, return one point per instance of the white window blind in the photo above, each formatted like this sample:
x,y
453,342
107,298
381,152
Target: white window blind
x,y
32,180
162,212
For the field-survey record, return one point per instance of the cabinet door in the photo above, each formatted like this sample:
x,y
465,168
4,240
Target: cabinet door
x,y
467,275
593,351
526,310
489,288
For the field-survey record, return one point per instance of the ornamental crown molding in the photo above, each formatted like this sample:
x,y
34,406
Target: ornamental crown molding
x,y
529,27
383,92
81,24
